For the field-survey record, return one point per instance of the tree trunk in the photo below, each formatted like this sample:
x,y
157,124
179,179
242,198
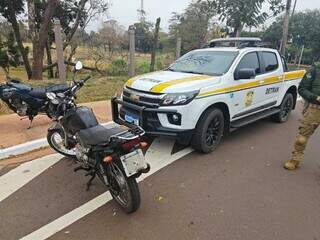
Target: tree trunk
x,y
40,41
49,59
237,30
16,30
155,45
285,28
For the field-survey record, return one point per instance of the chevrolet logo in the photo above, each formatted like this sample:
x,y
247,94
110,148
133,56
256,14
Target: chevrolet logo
x,y
135,97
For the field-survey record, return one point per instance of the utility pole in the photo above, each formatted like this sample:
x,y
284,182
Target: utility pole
x,y
178,47
131,51
142,13
294,7
285,28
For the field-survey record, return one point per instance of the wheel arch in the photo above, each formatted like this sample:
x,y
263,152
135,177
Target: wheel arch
x,y
294,91
226,113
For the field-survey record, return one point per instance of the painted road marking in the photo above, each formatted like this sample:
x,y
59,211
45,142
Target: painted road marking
x,y
20,176
158,158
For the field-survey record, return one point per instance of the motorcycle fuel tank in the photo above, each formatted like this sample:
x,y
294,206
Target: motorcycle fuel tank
x,y
80,118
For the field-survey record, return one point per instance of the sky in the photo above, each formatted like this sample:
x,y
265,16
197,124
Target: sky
x,y
125,11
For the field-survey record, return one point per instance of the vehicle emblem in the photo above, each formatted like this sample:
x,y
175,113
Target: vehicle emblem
x,y
135,97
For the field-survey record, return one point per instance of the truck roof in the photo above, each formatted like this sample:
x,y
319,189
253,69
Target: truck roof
x,y
234,49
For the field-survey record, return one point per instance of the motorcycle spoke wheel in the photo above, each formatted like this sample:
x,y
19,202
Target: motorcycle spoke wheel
x,y
58,144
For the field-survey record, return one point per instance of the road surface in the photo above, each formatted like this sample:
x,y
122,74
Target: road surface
x,y
239,192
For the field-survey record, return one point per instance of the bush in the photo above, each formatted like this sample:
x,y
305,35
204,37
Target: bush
x,y
118,67
143,67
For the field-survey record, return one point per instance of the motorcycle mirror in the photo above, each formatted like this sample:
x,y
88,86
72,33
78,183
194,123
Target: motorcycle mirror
x,y
78,66
51,95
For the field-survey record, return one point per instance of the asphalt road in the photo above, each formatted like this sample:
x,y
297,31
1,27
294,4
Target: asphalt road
x,y
240,191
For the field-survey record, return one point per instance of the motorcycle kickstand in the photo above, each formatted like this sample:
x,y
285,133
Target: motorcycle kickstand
x,y
30,124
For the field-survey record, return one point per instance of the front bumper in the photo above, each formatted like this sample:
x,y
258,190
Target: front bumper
x,y
148,120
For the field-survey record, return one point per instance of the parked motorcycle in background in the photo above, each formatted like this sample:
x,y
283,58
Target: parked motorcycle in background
x,y
113,154
28,101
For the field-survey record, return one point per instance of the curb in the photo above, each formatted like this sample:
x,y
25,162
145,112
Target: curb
x,y
29,146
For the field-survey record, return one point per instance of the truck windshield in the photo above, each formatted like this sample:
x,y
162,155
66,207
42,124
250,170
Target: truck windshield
x,y
205,62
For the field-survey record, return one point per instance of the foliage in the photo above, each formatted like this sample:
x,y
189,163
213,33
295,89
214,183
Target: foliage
x,y
118,67
9,53
240,13
143,67
112,36
192,25
143,36
304,29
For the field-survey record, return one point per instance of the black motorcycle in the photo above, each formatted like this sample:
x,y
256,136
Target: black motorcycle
x,y
28,101
113,154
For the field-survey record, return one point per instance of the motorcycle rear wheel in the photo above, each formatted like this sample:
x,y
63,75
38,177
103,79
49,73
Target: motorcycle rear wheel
x,y
56,140
124,190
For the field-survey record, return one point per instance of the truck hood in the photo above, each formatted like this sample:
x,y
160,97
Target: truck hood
x,y
171,82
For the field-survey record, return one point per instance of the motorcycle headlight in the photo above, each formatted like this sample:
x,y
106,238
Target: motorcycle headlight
x,y
175,99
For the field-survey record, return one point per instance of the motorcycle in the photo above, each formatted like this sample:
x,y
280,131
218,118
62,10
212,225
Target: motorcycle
x,y
113,154
28,101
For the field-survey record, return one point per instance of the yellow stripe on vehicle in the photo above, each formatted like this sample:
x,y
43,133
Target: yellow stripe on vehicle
x,y
132,80
162,86
230,89
294,75
271,80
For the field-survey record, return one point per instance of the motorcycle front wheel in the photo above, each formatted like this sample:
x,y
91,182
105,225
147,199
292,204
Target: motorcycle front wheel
x,y
56,140
124,190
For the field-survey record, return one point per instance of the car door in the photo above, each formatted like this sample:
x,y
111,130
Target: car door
x,y
272,75
248,94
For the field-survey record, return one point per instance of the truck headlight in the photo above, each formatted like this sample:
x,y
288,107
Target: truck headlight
x,y
174,99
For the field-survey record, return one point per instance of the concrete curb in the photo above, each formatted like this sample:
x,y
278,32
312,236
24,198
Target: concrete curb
x,y
30,146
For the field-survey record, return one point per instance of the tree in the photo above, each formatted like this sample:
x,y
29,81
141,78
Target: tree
x,y
304,29
240,13
143,36
9,53
111,36
10,10
39,34
192,25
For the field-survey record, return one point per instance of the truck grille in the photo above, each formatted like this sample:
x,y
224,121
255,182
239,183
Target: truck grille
x,y
141,98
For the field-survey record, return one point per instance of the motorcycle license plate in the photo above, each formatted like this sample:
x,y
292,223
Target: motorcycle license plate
x,y
130,118
133,162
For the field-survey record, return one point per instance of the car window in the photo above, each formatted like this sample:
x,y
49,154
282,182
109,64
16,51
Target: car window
x,y
205,62
271,61
251,61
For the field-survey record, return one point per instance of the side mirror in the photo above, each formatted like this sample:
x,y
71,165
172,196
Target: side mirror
x,y
78,66
245,73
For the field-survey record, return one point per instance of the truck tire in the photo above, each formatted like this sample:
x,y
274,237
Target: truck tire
x,y
285,109
209,131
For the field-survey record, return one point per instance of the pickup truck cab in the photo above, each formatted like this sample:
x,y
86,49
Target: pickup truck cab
x,y
208,92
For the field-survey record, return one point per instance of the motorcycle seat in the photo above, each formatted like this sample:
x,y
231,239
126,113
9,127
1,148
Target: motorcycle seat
x,y
97,135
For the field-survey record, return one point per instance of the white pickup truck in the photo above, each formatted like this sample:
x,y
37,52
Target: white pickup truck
x,y
208,92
